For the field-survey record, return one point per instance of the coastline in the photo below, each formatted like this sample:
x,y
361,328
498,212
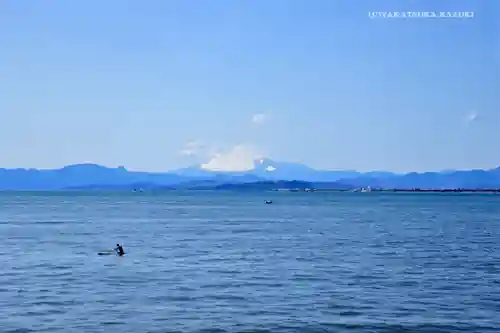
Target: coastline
x,y
396,190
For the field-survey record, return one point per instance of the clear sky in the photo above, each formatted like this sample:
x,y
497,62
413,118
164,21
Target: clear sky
x,y
161,84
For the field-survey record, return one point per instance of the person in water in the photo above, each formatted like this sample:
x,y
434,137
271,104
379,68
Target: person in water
x,y
119,250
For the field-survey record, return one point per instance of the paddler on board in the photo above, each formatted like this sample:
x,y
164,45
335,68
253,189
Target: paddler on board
x,y
119,250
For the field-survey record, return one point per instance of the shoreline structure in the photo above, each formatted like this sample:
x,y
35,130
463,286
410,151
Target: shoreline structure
x,y
401,190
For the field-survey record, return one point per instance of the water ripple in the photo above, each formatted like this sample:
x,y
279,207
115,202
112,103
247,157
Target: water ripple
x,y
215,262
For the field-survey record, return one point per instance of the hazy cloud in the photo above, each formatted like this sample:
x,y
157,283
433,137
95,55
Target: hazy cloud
x,y
259,118
471,117
193,148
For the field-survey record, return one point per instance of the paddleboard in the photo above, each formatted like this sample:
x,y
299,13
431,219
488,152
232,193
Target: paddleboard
x,y
107,253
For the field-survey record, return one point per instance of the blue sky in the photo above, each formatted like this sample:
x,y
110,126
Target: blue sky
x,y
156,85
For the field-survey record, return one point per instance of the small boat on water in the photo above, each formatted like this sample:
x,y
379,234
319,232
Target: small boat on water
x,y
367,189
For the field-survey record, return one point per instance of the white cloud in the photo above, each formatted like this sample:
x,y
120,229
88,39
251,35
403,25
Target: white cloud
x,y
471,117
270,168
259,118
237,158
193,148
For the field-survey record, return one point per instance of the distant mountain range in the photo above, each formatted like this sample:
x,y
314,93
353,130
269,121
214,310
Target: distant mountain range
x,y
267,174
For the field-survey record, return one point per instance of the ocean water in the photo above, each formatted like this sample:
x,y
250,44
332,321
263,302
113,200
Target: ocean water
x,y
226,262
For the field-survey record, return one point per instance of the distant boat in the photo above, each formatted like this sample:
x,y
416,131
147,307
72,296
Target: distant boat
x,y
368,189
268,202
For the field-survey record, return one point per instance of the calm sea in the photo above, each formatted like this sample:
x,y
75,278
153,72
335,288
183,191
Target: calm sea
x,y
227,262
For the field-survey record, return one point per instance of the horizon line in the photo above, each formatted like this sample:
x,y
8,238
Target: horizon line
x,y
173,171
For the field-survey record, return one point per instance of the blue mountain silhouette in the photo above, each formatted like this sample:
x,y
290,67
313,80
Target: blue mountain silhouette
x,y
266,173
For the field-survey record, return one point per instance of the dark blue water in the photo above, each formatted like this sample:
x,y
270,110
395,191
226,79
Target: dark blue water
x,y
226,262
